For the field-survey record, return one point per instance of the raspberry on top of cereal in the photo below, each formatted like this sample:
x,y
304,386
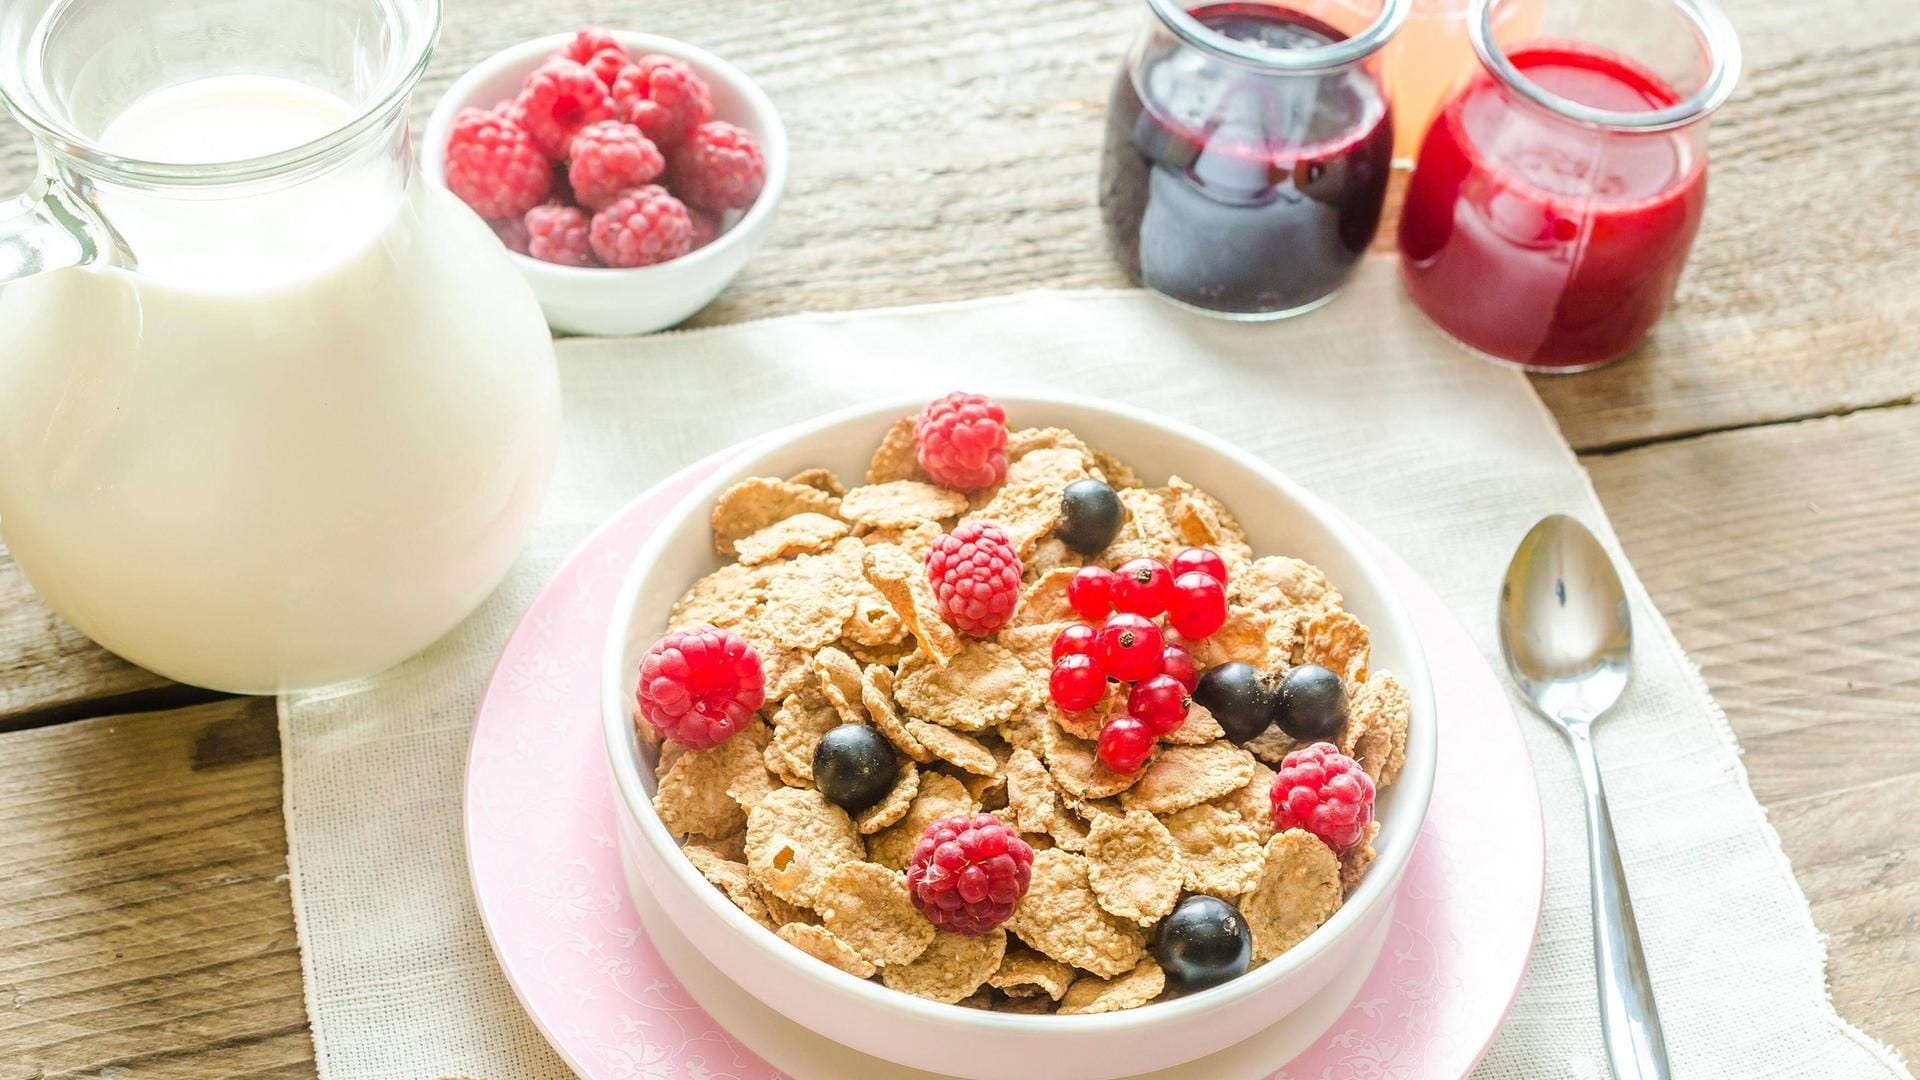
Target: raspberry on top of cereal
x,y
1003,726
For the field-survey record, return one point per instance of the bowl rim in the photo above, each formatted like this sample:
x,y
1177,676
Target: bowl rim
x,y
528,54
1414,786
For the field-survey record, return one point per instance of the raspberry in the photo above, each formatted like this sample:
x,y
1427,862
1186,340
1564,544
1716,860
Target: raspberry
x,y
706,227
1090,592
607,158
589,42
512,232
1076,683
1125,744
494,166
1198,606
558,234
663,96
968,873
961,440
643,226
976,577
719,167
1325,792
558,99
700,686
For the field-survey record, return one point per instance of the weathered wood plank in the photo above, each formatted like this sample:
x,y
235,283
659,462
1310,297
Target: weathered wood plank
x,y
1783,557
145,924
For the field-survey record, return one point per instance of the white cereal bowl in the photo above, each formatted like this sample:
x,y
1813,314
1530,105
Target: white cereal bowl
x,y
1280,518
592,300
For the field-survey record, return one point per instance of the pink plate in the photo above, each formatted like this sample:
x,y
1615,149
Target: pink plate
x,y
551,891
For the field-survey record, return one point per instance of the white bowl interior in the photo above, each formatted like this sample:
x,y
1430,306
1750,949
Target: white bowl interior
x,y
629,301
1279,517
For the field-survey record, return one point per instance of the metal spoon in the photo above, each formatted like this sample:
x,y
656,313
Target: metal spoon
x,y
1568,640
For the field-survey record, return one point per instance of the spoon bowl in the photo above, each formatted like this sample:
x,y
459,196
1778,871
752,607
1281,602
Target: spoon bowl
x,y
1564,624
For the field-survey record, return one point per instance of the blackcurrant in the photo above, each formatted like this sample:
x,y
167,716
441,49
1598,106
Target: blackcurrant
x,y
854,766
1237,697
1312,704
1091,514
1203,943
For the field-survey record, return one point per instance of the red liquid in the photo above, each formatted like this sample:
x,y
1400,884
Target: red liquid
x,y
1543,242
1251,195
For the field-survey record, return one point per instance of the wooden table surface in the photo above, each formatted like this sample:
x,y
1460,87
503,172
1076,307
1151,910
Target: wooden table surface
x,y
1760,459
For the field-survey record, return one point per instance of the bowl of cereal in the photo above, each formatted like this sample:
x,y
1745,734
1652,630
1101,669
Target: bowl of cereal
x,y
850,769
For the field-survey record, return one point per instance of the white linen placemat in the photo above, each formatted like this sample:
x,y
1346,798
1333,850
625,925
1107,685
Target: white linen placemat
x,y
1446,458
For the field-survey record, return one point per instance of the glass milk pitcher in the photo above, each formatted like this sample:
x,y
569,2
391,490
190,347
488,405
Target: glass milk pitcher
x,y
273,413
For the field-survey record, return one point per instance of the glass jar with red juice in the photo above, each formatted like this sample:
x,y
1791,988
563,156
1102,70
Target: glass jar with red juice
x,y
1556,197
1248,150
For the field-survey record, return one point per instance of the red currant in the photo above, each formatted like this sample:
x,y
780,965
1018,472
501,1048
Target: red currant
x,y
1199,561
1075,640
1091,592
1176,661
1199,605
1160,702
1076,683
1142,587
1125,744
1128,647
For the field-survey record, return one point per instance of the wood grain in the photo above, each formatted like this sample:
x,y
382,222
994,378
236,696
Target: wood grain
x,y
1783,558
145,924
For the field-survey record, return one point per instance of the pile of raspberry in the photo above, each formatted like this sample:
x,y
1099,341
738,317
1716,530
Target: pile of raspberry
x,y
604,159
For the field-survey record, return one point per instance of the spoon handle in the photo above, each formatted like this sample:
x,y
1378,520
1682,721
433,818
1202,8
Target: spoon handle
x,y
1628,1019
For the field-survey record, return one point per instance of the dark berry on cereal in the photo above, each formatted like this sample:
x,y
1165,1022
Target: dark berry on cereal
x,y
854,766
1312,703
1238,698
1091,515
1203,943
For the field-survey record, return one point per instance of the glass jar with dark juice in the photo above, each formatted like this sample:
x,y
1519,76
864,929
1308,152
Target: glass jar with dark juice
x,y
1556,197
1248,150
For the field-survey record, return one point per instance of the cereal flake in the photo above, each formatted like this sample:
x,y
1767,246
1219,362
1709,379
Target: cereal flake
x,y
795,838
1133,866
867,906
1183,776
1298,889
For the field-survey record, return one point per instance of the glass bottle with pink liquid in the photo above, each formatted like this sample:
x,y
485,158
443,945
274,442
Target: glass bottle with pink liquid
x,y
1557,195
1248,150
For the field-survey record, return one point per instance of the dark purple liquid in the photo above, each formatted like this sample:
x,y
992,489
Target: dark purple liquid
x,y
1241,192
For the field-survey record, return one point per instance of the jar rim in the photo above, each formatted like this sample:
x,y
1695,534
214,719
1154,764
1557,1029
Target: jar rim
x,y
417,36
1318,59
1709,22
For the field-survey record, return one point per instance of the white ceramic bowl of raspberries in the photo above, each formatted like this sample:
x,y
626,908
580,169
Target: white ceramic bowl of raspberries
x,y
1279,517
631,175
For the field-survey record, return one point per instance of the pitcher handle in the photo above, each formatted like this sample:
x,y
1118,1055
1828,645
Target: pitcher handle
x,y
43,230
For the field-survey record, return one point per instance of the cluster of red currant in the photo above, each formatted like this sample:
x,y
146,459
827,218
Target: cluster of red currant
x,y
1128,646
